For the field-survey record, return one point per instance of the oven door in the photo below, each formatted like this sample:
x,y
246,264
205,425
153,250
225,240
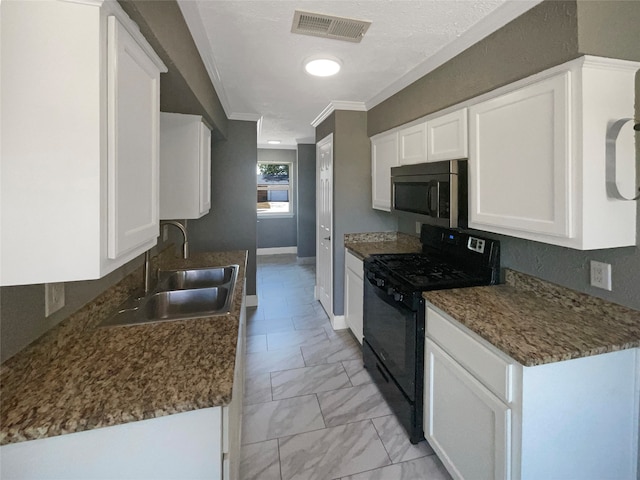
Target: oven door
x,y
391,329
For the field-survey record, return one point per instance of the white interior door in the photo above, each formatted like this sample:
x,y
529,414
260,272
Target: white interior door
x,y
324,223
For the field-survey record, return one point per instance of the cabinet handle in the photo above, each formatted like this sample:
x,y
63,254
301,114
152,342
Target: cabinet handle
x,y
612,135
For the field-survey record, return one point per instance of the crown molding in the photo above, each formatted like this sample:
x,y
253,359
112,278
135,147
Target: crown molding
x,y
504,14
338,105
247,117
266,146
191,14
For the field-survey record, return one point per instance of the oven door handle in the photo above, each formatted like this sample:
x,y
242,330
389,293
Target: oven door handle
x,y
383,293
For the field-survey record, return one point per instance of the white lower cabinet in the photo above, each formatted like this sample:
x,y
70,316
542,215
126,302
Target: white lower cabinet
x,y
477,447
488,417
353,293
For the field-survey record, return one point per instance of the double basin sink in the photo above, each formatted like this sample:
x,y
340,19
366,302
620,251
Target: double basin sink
x,y
180,294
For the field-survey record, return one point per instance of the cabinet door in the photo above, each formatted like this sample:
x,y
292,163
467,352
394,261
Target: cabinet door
x,y
519,162
467,426
354,294
205,169
447,136
384,155
133,124
412,143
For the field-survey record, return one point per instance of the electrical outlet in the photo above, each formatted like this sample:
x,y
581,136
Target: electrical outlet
x,y
601,275
418,226
53,298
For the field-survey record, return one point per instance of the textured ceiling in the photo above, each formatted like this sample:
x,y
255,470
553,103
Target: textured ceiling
x,y
256,63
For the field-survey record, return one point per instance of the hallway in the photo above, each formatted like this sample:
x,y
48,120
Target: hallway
x,y
311,411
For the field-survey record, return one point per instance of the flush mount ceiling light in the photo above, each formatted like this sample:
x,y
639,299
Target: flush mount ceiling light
x,y
322,67
273,142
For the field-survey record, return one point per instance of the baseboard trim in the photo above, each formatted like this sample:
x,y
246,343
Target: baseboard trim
x,y
251,300
306,260
276,250
338,322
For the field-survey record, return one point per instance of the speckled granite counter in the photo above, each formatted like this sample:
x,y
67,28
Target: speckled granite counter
x,y
364,244
78,377
536,322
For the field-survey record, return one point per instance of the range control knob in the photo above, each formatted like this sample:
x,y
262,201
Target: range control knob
x,y
397,296
380,282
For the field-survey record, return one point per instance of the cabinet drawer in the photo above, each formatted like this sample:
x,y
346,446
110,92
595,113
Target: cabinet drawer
x,y
494,371
354,264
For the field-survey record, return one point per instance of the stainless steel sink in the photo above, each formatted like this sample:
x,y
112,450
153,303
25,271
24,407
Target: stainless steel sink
x,y
197,278
180,295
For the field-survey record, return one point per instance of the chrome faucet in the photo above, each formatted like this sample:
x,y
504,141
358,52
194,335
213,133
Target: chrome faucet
x,y
147,272
183,229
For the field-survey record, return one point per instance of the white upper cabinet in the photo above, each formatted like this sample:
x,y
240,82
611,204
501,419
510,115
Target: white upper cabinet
x,y
185,166
537,167
412,144
79,194
384,155
447,136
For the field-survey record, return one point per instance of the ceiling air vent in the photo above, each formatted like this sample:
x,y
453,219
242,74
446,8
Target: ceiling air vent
x,y
339,28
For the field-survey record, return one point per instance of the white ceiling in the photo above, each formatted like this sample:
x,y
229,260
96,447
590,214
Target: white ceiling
x,y
256,63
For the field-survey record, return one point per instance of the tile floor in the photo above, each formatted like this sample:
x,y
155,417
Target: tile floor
x,y
310,409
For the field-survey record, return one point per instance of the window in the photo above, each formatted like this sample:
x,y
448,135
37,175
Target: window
x,y
274,189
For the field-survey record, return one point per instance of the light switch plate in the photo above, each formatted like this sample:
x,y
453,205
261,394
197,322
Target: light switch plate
x,y
601,275
53,298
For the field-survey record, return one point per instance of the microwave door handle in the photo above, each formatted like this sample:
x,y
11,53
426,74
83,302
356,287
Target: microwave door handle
x,y
433,212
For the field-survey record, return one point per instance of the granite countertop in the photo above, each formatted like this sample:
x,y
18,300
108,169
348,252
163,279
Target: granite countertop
x,y
364,244
536,322
78,377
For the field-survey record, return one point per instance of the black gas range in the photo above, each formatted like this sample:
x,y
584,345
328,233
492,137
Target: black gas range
x,y
394,312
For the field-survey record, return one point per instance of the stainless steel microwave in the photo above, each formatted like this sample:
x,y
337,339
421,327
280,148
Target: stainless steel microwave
x,y
432,193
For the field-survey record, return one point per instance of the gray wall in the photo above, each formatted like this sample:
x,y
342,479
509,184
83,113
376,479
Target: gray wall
x,y
550,33
22,317
231,223
279,232
352,210
306,200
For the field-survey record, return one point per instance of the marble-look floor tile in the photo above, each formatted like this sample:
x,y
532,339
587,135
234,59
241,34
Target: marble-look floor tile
x,y
356,371
270,325
396,441
330,352
272,361
299,297
257,389
332,452
303,381
256,343
425,468
260,461
265,421
305,322
352,404
295,338
287,310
